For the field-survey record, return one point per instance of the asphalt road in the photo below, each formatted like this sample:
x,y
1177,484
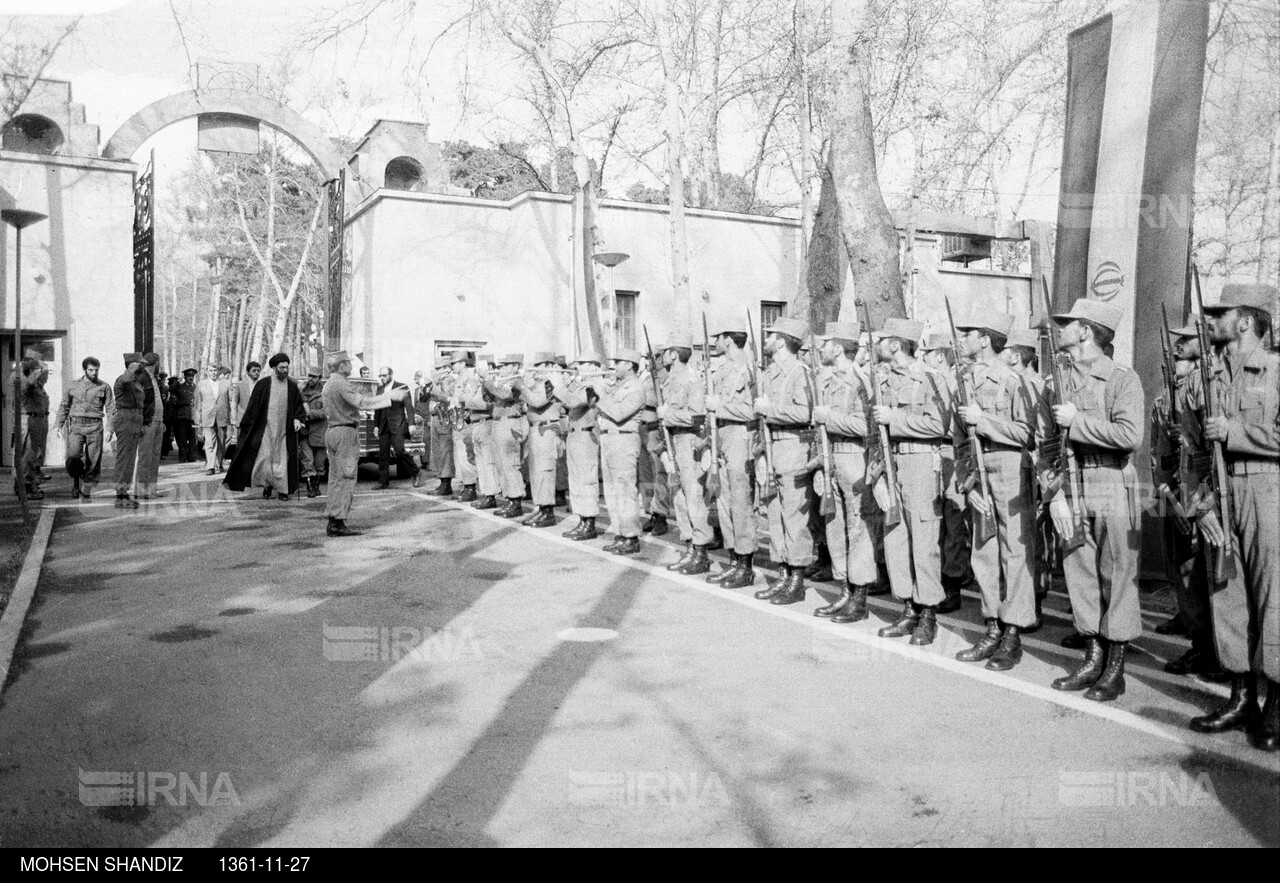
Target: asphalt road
x,y
450,678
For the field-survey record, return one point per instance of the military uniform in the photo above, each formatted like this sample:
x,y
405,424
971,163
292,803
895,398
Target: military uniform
x,y
509,429
148,471
442,454
654,482
313,443
736,424
343,403
683,412
35,426
127,425
85,405
449,404
582,449
479,404
545,443
619,407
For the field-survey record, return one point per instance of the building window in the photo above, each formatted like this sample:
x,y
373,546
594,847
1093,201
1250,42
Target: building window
x,y
625,323
402,173
770,311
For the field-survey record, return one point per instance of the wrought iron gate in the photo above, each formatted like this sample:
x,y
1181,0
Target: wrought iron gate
x,y
144,258
333,305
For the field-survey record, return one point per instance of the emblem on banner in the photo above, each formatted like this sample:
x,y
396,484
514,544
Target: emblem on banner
x,y
1107,282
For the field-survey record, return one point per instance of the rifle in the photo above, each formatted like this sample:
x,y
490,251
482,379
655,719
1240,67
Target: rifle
x,y
1177,502
892,515
1222,560
828,504
713,475
969,449
1057,466
765,433
657,392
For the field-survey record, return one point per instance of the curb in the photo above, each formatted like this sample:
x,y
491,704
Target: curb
x,y
23,592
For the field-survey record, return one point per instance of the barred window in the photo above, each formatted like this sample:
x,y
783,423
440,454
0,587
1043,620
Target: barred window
x,y
625,323
770,312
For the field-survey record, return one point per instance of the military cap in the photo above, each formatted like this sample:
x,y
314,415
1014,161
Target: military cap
x,y
727,325
1235,294
1094,311
905,329
512,359
313,371
986,320
790,327
588,357
628,355
484,357
542,358
446,361
455,357
843,333
678,339
1028,337
936,340
336,357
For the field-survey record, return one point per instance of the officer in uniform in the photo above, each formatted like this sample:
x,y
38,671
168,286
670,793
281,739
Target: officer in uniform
x,y
682,413
936,351
1022,353
731,401
1000,412
654,482
448,396
312,444
785,406
915,406
85,405
582,446
479,404
35,421
1100,416
148,470
343,402
130,417
440,427
543,411
509,431
619,407
843,402
1246,610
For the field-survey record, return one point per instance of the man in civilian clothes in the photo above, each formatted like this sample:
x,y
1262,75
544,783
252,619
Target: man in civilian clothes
x,y
393,423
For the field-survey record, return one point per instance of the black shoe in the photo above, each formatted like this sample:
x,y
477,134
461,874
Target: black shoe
x,y
717,541
856,609
723,574
383,486
698,562
545,517
1266,735
793,591
338,528
846,595
741,578
628,546
771,589
905,624
879,587
1173,626
1088,672
211,472
443,489
1239,712
562,500
589,532
1195,662
485,502
573,532
35,494
818,572
660,525
1009,653
313,488
468,494
284,498
513,509
674,566
266,492
927,628
951,603
1111,685
1075,641
617,541
649,523
1035,626
124,501
986,646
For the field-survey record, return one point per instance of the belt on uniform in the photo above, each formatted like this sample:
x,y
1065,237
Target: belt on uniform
x,y
582,429
510,417
845,445
617,432
119,408
342,425
1109,460
749,424
997,448
474,419
649,424
1253,467
917,447
682,430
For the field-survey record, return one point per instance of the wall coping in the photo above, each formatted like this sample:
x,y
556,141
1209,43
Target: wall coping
x,y
74,162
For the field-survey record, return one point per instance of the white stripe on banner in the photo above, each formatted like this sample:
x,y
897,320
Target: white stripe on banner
x,y
1122,148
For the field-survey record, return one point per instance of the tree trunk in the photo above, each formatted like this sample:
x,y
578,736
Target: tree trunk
x,y
286,303
673,132
806,137
865,221
819,300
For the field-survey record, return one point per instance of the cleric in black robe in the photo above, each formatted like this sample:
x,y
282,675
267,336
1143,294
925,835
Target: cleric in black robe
x,y
267,455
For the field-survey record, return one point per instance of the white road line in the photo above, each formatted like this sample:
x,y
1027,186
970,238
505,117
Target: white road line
x,y
865,634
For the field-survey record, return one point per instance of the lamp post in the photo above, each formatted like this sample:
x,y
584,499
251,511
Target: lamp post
x,y
611,259
18,219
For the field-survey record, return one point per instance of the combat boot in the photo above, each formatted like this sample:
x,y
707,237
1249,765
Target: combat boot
x,y
927,628
485,502
846,595
75,488
724,571
313,487
675,566
338,528
660,525
574,532
544,518
513,508
905,624
771,589
1009,653
792,591
1088,671
589,532
649,523
1266,735
617,541
820,570
1239,712
1111,685
627,546
717,540
741,578
856,609
1075,641
468,494
986,646
953,591
443,489
697,563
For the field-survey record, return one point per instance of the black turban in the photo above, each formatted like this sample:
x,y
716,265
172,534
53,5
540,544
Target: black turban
x,y
277,359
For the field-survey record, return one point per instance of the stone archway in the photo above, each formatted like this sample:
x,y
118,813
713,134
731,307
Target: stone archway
x,y
185,105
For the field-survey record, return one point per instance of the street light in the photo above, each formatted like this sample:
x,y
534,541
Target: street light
x,y
18,219
611,259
